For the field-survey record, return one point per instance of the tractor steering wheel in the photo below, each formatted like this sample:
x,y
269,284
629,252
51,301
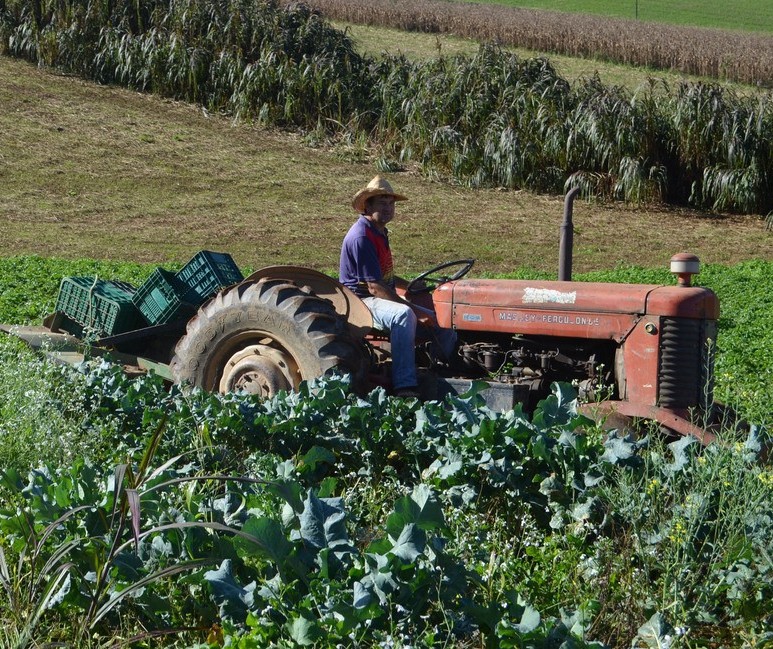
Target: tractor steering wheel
x,y
432,283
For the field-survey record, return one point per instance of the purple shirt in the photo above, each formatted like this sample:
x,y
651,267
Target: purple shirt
x,y
365,257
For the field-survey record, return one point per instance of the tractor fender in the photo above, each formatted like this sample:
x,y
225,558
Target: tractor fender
x,y
350,307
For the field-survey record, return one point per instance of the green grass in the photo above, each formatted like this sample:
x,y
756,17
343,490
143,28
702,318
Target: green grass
x,y
26,438
746,15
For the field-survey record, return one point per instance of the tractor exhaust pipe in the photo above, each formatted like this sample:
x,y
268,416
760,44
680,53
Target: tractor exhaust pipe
x,y
567,238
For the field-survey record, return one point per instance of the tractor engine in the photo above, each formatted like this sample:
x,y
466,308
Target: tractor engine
x,y
532,364
645,350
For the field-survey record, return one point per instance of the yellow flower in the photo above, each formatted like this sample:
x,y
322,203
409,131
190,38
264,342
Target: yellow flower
x,y
653,486
678,533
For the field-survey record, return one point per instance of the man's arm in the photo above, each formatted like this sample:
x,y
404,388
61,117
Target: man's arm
x,y
383,291
367,264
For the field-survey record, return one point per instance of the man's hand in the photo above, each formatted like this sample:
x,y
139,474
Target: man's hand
x,y
379,289
424,318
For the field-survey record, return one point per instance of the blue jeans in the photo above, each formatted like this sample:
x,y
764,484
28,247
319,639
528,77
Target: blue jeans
x,y
400,321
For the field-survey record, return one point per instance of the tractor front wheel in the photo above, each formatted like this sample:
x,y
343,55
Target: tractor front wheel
x,y
263,337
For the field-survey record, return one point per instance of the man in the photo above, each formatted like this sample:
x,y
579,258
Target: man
x,y
366,268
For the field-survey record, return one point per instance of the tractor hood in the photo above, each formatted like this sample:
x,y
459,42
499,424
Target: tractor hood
x,y
575,297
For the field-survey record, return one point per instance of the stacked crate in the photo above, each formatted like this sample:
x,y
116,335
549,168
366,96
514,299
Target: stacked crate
x,y
206,274
166,297
161,298
97,307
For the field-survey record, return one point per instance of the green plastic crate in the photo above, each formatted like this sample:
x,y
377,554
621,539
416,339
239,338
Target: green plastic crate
x,y
160,298
206,274
100,306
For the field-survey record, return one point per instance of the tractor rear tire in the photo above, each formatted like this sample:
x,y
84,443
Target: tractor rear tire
x,y
265,336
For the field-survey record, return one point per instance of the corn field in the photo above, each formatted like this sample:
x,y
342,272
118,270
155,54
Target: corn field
x,y
714,53
492,119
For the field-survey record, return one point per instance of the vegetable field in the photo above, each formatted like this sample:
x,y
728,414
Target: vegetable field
x,y
487,120
136,515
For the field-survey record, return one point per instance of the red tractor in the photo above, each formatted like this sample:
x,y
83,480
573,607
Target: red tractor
x,y
634,351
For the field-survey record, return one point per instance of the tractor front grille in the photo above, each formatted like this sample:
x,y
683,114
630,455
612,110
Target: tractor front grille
x,y
686,363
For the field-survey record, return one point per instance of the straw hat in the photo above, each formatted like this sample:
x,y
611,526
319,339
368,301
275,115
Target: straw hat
x,y
377,187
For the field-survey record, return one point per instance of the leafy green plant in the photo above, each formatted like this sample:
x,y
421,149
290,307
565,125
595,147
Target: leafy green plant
x,y
405,569
87,542
40,417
